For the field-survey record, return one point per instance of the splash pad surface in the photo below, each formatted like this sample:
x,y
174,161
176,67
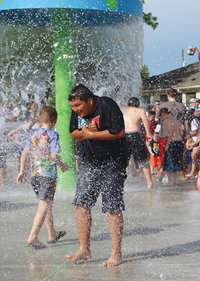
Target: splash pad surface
x,y
160,242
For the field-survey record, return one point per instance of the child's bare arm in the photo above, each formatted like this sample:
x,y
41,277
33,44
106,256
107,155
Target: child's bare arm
x,y
181,130
146,123
193,144
58,160
22,174
188,143
20,128
150,150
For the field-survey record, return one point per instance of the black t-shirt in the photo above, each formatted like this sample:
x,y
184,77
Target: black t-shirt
x,y
155,147
107,116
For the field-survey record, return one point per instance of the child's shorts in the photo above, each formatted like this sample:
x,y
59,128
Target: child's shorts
x,y
109,180
189,156
155,161
43,187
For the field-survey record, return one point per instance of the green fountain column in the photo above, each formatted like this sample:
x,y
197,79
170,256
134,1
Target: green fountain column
x,y
64,82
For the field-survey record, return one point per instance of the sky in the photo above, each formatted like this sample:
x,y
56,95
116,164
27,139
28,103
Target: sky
x,y
179,28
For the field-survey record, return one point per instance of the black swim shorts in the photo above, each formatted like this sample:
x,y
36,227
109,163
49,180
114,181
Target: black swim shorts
x,y
137,148
43,187
107,179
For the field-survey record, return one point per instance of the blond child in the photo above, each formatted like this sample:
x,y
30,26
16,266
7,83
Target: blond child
x,y
43,147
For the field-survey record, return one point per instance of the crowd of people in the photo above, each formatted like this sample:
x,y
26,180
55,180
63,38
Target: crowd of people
x,y
13,133
171,133
165,140
179,131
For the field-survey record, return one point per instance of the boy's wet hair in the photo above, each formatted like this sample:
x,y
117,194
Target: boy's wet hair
x,y
150,106
165,111
150,113
48,114
80,92
172,92
156,134
133,101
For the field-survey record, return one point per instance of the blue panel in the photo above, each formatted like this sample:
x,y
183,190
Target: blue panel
x,y
121,6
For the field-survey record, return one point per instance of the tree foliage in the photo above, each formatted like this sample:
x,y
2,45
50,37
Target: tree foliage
x,y
149,19
144,72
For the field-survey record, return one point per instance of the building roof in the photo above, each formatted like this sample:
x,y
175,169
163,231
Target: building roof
x,y
184,77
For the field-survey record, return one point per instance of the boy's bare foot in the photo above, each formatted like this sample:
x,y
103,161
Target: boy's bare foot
x,y
176,183
151,186
114,260
189,176
82,254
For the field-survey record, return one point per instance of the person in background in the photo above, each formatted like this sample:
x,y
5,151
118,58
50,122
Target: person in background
x,y
194,103
32,110
133,116
197,104
192,136
178,111
174,146
5,146
19,136
15,111
190,146
5,111
154,149
151,107
152,125
157,102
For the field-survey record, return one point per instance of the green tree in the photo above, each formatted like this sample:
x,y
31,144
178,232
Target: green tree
x,y
144,72
149,19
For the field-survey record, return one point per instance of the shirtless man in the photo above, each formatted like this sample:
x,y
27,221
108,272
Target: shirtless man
x,y
174,145
133,117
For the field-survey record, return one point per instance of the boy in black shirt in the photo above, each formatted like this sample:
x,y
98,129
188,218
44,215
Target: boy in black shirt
x,y
98,122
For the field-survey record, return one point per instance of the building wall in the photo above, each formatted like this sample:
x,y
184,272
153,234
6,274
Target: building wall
x,y
160,94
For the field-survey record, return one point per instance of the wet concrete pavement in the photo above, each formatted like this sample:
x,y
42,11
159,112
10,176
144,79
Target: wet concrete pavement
x,y
161,236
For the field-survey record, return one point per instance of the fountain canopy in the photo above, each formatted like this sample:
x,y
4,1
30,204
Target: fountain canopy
x,y
121,6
